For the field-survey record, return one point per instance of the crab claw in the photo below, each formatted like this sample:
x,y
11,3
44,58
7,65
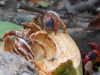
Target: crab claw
x,y
10,33
94,45
23,49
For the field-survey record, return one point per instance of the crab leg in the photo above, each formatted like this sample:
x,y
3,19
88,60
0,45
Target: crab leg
x,y
37,34
10,33
34,19
64,26
55,23
98,59
94,45
85,73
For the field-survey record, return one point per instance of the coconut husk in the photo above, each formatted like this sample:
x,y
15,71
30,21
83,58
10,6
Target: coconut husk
x,y
68,50
59,49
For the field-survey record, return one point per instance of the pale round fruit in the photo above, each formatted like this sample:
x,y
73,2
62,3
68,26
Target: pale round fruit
x,y
68,50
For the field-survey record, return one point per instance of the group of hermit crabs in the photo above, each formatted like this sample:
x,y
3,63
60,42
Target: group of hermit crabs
x,y
34,42
35,36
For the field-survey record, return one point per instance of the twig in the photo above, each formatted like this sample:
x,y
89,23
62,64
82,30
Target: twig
x,y
26,7
98,29
69,10
85,5
68,6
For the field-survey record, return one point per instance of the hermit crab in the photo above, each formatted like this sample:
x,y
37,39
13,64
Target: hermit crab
x,y
32,44
91,58
49,20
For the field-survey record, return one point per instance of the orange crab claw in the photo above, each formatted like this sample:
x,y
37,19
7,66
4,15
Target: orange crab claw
x,y
55,23
10,33
64,26
94,45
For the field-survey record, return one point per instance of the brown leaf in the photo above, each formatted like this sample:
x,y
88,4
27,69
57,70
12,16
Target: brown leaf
x,y
95,23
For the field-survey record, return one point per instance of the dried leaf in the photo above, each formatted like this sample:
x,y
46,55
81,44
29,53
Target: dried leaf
x,y
95,23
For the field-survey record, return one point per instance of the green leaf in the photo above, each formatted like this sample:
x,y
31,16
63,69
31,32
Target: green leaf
x,y
42,4
73,72
65,69
66,72
6,26
60,69
99,68
79,69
